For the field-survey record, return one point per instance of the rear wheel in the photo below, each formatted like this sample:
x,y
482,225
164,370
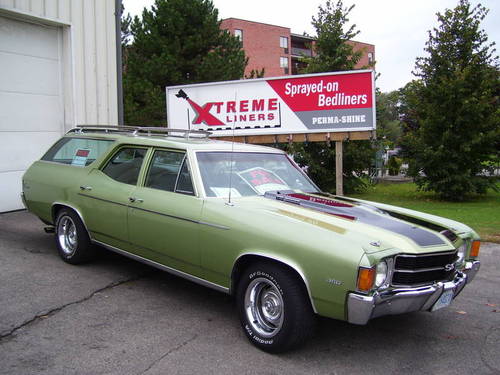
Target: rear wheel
x,y
274,308
72,239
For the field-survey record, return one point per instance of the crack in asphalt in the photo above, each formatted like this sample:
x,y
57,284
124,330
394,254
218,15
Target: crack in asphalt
x,y
7,334
174,349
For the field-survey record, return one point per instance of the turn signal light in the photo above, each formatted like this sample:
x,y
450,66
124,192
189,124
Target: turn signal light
x,y
474,250
366,278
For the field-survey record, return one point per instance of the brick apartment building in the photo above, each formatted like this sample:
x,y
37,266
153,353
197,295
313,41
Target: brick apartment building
x,y
277,50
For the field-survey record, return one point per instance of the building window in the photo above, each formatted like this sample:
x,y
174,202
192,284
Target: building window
x,y
370,57
283,42
283,62
238,33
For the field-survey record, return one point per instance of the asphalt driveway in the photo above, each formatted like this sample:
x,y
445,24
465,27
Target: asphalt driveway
x,y
116,316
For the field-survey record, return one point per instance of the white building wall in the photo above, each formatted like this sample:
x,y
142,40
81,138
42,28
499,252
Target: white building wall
x,y
57,70
88,54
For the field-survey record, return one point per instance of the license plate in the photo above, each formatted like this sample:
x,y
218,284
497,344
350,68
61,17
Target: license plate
x,y
444,300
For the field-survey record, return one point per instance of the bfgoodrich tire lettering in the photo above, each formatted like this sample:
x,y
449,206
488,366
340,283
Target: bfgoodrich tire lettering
x,y
274,308
72,239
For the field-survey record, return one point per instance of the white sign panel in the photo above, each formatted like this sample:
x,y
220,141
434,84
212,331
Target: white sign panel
x,y
330,102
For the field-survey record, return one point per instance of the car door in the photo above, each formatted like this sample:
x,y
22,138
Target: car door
x,y
105,192
164,213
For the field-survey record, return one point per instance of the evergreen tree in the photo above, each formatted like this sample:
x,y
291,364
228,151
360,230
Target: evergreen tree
x,y
176,42
388,123
333,53
452,124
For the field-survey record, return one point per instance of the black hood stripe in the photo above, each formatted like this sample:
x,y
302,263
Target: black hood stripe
x,y
360,212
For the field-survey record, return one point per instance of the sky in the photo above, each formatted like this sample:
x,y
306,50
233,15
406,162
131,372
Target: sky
x,y
397,28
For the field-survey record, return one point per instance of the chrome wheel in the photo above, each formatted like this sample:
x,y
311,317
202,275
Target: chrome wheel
x,y
67,235
264,307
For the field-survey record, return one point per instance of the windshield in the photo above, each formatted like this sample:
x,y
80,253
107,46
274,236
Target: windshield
x,y
247,173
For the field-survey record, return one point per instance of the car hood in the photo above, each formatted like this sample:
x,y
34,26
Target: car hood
x,y
374,228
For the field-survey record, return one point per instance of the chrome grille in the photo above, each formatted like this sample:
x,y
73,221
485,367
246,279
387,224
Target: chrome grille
x,y
412,270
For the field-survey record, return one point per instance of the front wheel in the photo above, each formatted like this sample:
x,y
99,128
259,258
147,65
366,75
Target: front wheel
x,y
72,239
274,308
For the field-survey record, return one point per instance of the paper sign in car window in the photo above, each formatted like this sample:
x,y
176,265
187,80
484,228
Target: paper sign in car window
x,y
80,158
262,180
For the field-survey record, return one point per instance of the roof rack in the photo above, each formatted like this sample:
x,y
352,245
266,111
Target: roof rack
x,y
140,130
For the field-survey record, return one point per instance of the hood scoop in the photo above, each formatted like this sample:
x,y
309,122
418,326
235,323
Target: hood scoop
x,y
362,213
310,201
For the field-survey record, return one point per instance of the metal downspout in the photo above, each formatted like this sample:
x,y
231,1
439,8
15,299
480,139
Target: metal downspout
x,y
119,72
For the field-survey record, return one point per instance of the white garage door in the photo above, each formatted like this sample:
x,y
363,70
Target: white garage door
x,y
31,108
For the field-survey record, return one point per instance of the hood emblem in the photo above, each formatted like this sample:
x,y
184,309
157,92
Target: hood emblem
x,y
375,243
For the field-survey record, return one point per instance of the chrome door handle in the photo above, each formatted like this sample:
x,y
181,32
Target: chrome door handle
x,y
134,199
85,187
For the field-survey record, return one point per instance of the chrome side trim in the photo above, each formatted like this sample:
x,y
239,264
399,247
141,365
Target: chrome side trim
x,y
166,215
162,267
214,225
158,213
74,209
289,264
181,218
102,200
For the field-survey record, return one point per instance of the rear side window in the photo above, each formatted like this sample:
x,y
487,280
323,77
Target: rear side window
x,y
78,152
125,165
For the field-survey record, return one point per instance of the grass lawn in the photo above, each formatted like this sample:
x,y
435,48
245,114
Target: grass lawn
x,y
482,213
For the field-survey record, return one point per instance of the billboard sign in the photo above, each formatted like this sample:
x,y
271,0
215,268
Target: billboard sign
x,y
328,102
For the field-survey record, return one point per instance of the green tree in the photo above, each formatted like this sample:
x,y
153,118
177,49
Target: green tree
x,y
333,53
388,122
331,50
256,73
452,119
319,157
176,42
408,103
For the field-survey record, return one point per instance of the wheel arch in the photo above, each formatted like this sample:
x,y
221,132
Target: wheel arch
x,y
248,258
56,206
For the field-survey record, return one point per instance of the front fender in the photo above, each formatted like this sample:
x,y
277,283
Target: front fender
x,y
241,261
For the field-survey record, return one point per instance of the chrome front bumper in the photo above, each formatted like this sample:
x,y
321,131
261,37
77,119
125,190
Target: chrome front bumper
x,y
361,308
471,269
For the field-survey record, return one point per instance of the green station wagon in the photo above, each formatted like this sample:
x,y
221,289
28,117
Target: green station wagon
x,y
247,221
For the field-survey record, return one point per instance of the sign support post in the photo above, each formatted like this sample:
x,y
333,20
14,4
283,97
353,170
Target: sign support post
x,y
339,182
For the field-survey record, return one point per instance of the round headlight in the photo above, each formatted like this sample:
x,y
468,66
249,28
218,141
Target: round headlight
x,y
381,274
461,252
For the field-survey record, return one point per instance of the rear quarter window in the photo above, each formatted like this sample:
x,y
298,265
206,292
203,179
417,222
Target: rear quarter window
x,y
78,152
